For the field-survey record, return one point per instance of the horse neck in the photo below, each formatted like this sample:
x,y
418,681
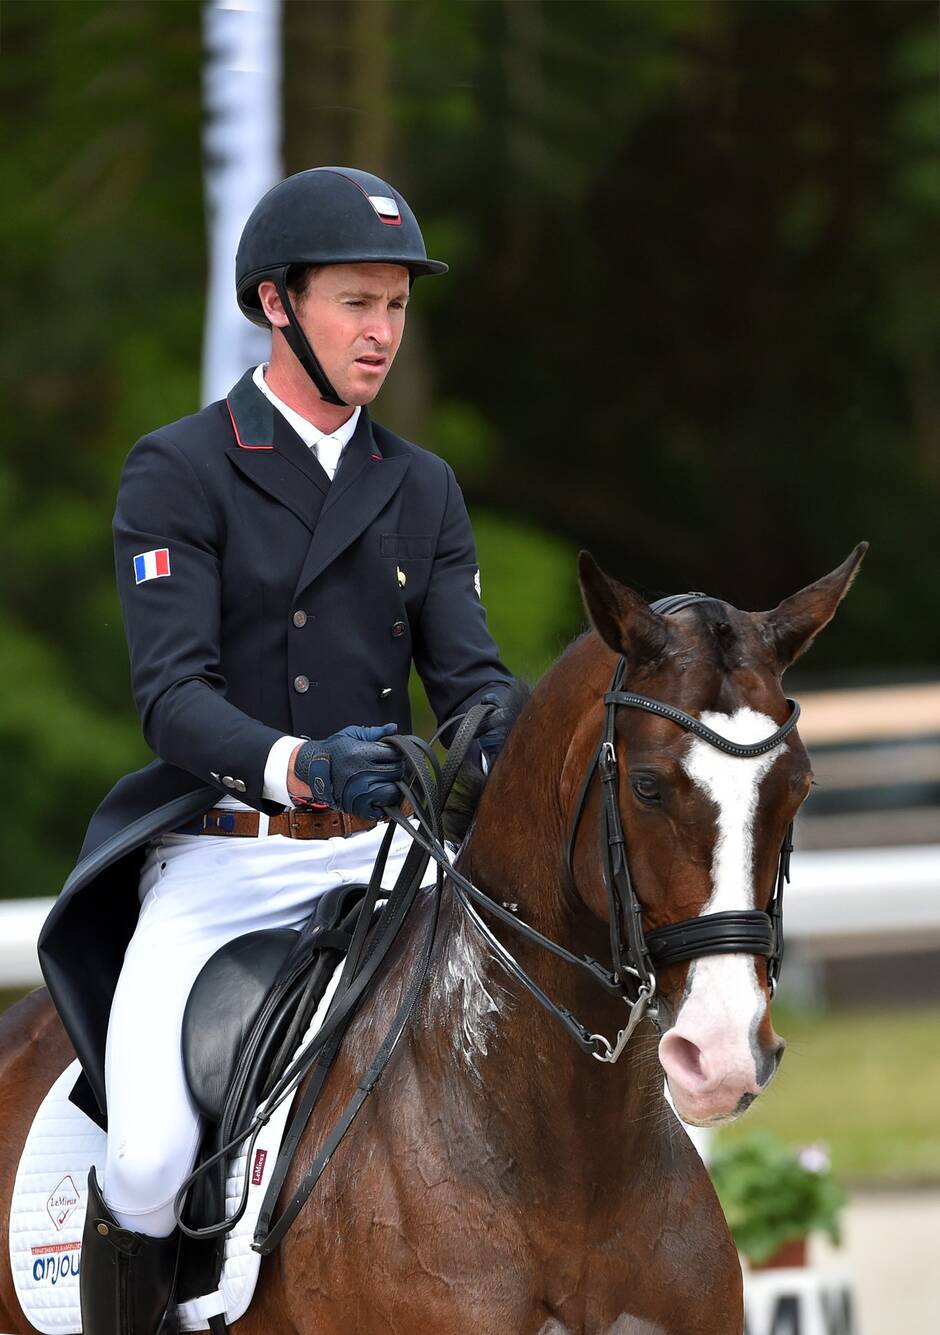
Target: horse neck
x,y
518,1073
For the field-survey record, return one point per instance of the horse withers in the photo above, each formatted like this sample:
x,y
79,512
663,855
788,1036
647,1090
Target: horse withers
x,y
501,1181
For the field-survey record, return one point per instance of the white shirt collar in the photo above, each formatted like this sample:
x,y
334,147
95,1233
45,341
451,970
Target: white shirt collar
x,y
310,435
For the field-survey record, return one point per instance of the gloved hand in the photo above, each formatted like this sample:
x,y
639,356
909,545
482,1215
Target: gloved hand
x,y
353,770
496,727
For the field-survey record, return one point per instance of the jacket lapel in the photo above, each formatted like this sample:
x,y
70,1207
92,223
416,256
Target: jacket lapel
x,y
267,450
363,485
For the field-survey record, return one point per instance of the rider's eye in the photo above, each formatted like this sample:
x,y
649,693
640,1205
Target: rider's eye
x,y
645,787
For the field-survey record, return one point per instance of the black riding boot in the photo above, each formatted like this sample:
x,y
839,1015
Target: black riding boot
x,y
128,1281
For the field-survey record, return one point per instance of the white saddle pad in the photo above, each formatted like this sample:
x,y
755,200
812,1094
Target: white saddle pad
x,y
47,1211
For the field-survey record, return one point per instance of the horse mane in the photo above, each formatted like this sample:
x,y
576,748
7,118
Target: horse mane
x,y
468,787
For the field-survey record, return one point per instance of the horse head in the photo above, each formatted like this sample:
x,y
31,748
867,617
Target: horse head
x,y
703,827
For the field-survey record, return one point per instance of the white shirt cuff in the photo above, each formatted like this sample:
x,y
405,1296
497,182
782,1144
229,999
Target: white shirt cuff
x,y
276,769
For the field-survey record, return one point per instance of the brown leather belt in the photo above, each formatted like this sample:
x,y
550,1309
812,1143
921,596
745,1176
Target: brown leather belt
x,y
325,824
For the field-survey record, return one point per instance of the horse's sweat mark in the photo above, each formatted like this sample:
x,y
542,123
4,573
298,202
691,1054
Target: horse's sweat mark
x,y
470,993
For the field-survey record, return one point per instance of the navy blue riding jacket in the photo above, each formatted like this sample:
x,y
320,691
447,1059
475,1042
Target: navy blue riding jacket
x,y
292,605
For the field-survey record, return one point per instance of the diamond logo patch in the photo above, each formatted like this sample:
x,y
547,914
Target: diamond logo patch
x,y
63,1203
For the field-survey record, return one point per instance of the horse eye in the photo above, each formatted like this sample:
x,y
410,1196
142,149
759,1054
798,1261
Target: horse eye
x,y
645,787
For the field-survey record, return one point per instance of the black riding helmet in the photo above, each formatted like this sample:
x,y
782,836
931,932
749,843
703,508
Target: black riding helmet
x,y
327,215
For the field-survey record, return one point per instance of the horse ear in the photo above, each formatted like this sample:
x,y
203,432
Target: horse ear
x,y
794,624
619,614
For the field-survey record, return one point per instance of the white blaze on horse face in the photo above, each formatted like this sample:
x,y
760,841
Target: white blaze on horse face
x,y
723,1002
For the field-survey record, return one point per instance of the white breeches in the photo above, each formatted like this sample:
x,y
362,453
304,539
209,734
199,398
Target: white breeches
x,y
196,893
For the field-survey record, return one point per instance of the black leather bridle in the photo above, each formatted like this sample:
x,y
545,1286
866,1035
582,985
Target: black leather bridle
x,y
636,954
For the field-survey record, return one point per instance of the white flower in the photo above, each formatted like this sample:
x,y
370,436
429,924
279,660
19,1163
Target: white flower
x,y
815,1158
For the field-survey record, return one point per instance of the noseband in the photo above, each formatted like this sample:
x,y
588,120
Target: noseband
x,y
635,953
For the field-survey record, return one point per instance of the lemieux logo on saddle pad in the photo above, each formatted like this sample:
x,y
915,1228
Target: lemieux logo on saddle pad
x,y
151,565
63,1203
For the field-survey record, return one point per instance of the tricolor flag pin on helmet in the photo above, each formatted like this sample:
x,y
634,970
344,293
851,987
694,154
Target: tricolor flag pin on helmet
x,y
386,208
151,565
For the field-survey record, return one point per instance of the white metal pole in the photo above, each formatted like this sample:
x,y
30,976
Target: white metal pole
x,y
242,159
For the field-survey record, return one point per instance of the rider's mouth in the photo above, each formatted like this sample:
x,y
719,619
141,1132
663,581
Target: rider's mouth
x,y
371,363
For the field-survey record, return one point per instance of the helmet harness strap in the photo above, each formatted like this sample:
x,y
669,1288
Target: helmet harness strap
x,y
299,344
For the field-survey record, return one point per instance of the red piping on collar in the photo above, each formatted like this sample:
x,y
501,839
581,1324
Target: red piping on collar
x,y
241,443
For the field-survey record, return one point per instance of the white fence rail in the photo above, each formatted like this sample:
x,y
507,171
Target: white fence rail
x,y
856,902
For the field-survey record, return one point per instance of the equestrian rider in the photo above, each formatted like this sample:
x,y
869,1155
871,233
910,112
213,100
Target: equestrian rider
x,y
281,561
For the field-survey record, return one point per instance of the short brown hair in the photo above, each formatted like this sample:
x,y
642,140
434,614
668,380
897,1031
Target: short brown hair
x,y
298,279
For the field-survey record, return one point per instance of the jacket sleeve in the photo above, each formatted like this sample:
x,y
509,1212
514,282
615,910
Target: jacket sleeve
x,y
173,623
454,652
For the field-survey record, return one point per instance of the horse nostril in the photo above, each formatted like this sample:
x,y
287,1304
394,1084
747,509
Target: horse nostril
x,y
768,1064
682,1058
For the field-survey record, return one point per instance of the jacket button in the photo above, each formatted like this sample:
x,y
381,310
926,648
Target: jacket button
x,y
301,684
228,781
399,628
102,1229
299,619
240,786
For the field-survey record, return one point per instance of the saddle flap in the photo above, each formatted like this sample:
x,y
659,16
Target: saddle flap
x,y
222,1008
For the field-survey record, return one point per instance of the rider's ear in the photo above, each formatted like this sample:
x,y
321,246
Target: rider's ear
x,y
620,616
794,624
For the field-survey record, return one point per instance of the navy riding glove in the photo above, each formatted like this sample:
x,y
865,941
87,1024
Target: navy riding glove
x,y
496,727
353,771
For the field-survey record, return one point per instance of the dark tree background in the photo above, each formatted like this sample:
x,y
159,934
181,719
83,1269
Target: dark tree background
x,y
692,319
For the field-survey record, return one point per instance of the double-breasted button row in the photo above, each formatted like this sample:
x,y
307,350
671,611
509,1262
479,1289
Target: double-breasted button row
x,y
301,683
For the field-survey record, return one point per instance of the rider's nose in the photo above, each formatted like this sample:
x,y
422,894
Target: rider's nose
x,y
380,333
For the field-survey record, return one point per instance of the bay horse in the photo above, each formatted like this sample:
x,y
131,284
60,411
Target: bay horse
x,y
500,1181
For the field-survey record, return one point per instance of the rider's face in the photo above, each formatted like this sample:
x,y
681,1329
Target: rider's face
x,y
354,318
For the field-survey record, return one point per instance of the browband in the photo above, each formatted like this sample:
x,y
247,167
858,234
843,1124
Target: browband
x,y
696,726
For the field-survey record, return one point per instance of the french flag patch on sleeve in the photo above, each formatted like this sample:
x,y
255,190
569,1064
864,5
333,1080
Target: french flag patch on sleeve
x,y
151,565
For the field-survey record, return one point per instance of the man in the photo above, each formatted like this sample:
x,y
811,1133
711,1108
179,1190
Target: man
x,y
281,560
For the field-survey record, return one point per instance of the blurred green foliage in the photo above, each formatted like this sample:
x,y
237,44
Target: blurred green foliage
x,y
692,319
857,1080
771,1197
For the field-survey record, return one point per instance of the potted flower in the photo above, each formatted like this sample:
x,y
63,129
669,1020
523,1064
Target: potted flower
x,y
774,1198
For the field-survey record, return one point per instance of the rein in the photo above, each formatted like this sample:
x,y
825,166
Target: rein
x,y
635,954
